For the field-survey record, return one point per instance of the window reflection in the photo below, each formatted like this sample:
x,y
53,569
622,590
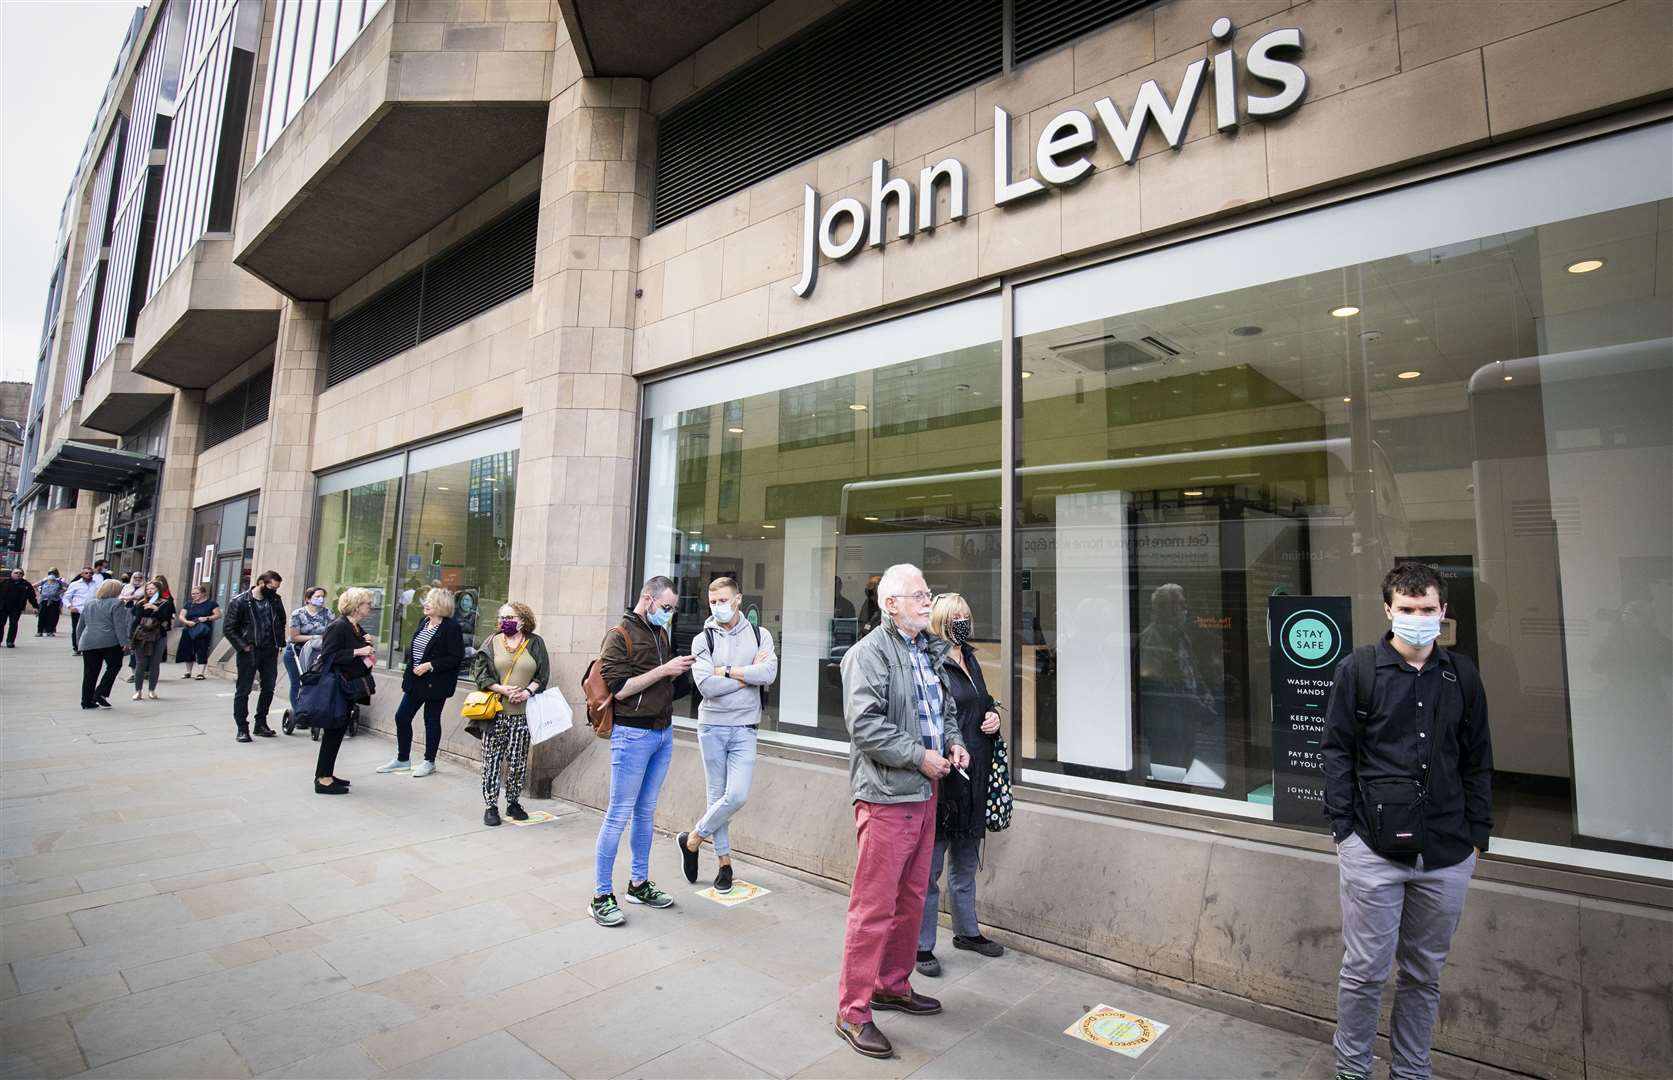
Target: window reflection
x,y
1482,407
806,493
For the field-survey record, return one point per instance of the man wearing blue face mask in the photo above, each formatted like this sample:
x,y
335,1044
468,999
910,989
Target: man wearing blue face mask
x,y
733,665
1408,766
639,666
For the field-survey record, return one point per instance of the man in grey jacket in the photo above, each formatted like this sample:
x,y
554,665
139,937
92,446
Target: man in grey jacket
x,y
733,664
903,737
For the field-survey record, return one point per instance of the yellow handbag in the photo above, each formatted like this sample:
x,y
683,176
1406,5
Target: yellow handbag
x,y
482,705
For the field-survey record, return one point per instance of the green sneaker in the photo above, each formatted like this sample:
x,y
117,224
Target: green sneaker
x,y
648,894
605,911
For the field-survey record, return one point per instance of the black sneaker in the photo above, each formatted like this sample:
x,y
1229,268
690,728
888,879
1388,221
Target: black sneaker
x,y
491,816
244,734
978,944
514,810
648,894
723,879
688,857
104,703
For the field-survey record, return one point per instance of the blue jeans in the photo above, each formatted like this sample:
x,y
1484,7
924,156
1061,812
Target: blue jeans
x,y
639,760
961,887
728,766
295,674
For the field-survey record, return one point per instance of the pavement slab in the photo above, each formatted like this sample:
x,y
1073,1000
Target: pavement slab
x,y
240,926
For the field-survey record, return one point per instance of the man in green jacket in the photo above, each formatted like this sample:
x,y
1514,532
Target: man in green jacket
x,y
903,737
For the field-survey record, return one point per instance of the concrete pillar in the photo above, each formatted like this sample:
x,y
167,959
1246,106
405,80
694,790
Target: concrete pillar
x,y
574,532
286,514
171,536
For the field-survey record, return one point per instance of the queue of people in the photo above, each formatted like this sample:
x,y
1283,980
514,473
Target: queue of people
x,y
1406,722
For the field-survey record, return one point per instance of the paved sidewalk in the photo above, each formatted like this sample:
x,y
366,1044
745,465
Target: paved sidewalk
x,y
176,904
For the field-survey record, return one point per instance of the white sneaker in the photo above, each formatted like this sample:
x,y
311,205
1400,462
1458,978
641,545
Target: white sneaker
x,y
424,768
395,765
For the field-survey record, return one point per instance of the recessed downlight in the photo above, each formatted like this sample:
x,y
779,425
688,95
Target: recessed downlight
x,y
1193,493
1346,311
1247,331
871,517
769,526
1027,374
1408,374
1584,266
734,431
857,407
1347,400
1509,377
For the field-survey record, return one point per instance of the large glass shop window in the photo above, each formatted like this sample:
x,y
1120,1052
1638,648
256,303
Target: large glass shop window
x,y
805,473
1475,373
438,515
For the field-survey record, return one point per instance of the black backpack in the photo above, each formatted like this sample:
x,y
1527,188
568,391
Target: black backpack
x,y
709,637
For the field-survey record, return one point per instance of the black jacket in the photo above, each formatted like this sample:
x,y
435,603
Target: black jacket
x,y
240,625
15,595
337,647
153,624
1428,725
653,707
961,812
446,655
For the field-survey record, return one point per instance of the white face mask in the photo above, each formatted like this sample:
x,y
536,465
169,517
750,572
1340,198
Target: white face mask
x,y
721,611
1417,630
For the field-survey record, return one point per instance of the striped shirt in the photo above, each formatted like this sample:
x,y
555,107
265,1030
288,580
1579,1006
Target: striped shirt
x,y
926,689
421,640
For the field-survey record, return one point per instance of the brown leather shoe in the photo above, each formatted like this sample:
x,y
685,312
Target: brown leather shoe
x,y
866,1039
915,1003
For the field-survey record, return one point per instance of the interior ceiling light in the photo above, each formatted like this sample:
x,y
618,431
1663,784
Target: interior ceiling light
x,y
856,407
1347,400
1246,331
1408,374
1193,493
440,488
734,431
1346,311
1509,377
871,517
1585,266
769,526
1027,374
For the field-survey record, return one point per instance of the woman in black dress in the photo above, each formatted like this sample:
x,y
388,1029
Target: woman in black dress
x,y
961,812
345,651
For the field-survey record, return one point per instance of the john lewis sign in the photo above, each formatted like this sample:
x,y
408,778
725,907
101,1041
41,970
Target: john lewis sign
x,y
1062,153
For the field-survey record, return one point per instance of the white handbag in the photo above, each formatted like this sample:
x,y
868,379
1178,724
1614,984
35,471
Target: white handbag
x,y
548,716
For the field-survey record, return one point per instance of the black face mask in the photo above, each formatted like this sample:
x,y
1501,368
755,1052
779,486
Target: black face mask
x,y
959,631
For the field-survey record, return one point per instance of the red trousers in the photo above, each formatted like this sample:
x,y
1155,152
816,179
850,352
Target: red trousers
x,y
886,905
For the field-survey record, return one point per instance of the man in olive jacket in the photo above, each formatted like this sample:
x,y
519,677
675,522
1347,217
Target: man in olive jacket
x,y
903,737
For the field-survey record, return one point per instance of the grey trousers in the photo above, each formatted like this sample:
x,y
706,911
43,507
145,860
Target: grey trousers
x,y
961,883
1393,913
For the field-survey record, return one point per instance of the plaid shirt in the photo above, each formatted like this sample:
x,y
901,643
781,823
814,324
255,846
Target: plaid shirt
x,y
926,689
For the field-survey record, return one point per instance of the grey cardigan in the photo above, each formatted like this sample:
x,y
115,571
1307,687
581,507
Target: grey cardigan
x,y
105,623
880,708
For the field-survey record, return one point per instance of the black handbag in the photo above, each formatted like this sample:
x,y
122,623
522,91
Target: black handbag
x,y
1396,808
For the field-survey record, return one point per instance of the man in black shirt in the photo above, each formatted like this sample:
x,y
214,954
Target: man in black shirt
x,y
1408,767
255,625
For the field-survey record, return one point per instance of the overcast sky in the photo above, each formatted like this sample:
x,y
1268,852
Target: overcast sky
x,y
55,59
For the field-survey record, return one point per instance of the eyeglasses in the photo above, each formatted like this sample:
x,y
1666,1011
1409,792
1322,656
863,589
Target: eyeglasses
x,y
919,597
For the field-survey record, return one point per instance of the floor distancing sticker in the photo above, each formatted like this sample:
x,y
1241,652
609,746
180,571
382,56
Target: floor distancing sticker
x,y
742,892
536,817
1115,1030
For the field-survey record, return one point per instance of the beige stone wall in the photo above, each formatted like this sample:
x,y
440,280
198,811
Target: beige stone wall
x,y
1391,83
473,372
59,538
235,467
171,528
287,484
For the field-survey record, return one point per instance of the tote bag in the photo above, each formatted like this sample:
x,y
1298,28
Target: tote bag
x,y
549,716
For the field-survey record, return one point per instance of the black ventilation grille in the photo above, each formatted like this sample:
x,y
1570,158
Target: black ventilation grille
x,y
376,330
484,272
1039,26
479,273
857,71
238,410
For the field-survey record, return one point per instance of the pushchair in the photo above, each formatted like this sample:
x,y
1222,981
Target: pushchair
x,y
305,662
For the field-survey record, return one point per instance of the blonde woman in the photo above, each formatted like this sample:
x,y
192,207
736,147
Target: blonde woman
x,y
513,664
961,814
434,657
346,651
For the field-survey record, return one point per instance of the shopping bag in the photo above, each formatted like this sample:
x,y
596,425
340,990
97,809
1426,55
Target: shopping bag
x,y
548,716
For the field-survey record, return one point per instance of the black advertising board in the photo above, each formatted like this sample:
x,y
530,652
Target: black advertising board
x,y
1310,635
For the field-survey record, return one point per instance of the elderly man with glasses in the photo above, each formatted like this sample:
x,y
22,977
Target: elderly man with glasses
x,y
903,738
